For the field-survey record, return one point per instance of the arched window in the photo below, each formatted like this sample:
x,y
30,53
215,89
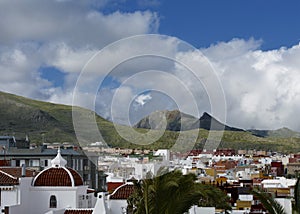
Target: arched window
x,y
53,201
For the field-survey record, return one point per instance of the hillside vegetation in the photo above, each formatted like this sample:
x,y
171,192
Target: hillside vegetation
x,y
48,122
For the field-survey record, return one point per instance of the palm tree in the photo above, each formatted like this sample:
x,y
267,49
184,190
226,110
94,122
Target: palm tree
x,y
269,203
170,193
297,196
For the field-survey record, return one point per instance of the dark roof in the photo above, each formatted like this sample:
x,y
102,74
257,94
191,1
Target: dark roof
x,y
17,171
123,192
40,151
58,176
85,211
7,180
88,191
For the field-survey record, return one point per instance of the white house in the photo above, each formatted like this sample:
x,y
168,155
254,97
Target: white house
x,y
279,182
57,189
10,184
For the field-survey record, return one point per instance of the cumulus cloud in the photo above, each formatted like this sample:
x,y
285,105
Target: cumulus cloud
x,y
143,99
76,23
261,87
60,34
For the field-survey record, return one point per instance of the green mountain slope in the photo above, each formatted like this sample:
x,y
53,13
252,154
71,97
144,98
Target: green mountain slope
x,y
40,120
278,133
176,121
53,123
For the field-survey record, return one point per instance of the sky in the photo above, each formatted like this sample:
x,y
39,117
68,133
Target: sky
x,y
251,46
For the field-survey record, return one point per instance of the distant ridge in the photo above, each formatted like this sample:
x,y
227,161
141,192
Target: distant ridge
x,y
49,122
278,133
177,121
41,121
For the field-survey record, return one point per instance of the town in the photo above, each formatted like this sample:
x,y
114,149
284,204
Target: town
x,y
63,178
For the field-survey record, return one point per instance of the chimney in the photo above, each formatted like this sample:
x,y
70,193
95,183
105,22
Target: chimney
x,y
23,170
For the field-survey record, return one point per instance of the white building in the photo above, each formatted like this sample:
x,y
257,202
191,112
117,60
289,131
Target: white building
x,y
10,184
117,202
57,189
279,182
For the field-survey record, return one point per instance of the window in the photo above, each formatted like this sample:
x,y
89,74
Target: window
x,y
46,163
53,201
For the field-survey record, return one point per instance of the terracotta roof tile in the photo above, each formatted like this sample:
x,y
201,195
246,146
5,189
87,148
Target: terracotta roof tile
x,y
77,178
123,192
7,180
87,211
57,176
90,191
17,171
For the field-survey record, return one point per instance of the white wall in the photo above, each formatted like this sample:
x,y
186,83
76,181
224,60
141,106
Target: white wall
x,y
286,203
101,204
36,200
9,197
246,197
202,210
115,206
40,198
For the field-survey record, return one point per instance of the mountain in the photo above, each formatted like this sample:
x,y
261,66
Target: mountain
x,y
41,121
178,121
278,133
48,122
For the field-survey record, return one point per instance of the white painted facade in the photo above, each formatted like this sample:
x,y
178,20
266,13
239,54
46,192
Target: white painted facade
x,y
9,196
279,182
29,199
202,210
286,203
117,206
245,197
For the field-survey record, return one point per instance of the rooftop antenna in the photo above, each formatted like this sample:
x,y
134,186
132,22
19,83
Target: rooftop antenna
x,y
43,138
4,148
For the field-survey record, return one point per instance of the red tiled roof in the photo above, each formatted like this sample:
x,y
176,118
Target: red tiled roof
x,y
77,178
17,171
58,176
7,180
4,163
111,186
78,212
123,192
90,191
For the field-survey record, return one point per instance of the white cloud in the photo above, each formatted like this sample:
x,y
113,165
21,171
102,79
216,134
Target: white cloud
x,y
76,23
61,34
261,87
143,99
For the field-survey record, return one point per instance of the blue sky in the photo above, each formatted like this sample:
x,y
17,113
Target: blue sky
x,y
253,47
203,23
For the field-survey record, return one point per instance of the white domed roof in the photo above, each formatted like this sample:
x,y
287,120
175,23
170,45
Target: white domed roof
x,y
58,161
58,174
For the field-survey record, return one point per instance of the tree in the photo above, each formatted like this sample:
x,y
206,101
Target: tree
x,y
297,196
213,197
172,193
269,203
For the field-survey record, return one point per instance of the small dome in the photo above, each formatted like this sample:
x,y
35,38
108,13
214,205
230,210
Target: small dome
x,y
61,176
58,174
58,161
122,192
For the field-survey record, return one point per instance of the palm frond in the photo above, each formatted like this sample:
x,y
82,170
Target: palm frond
x,y
297,196
269,203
